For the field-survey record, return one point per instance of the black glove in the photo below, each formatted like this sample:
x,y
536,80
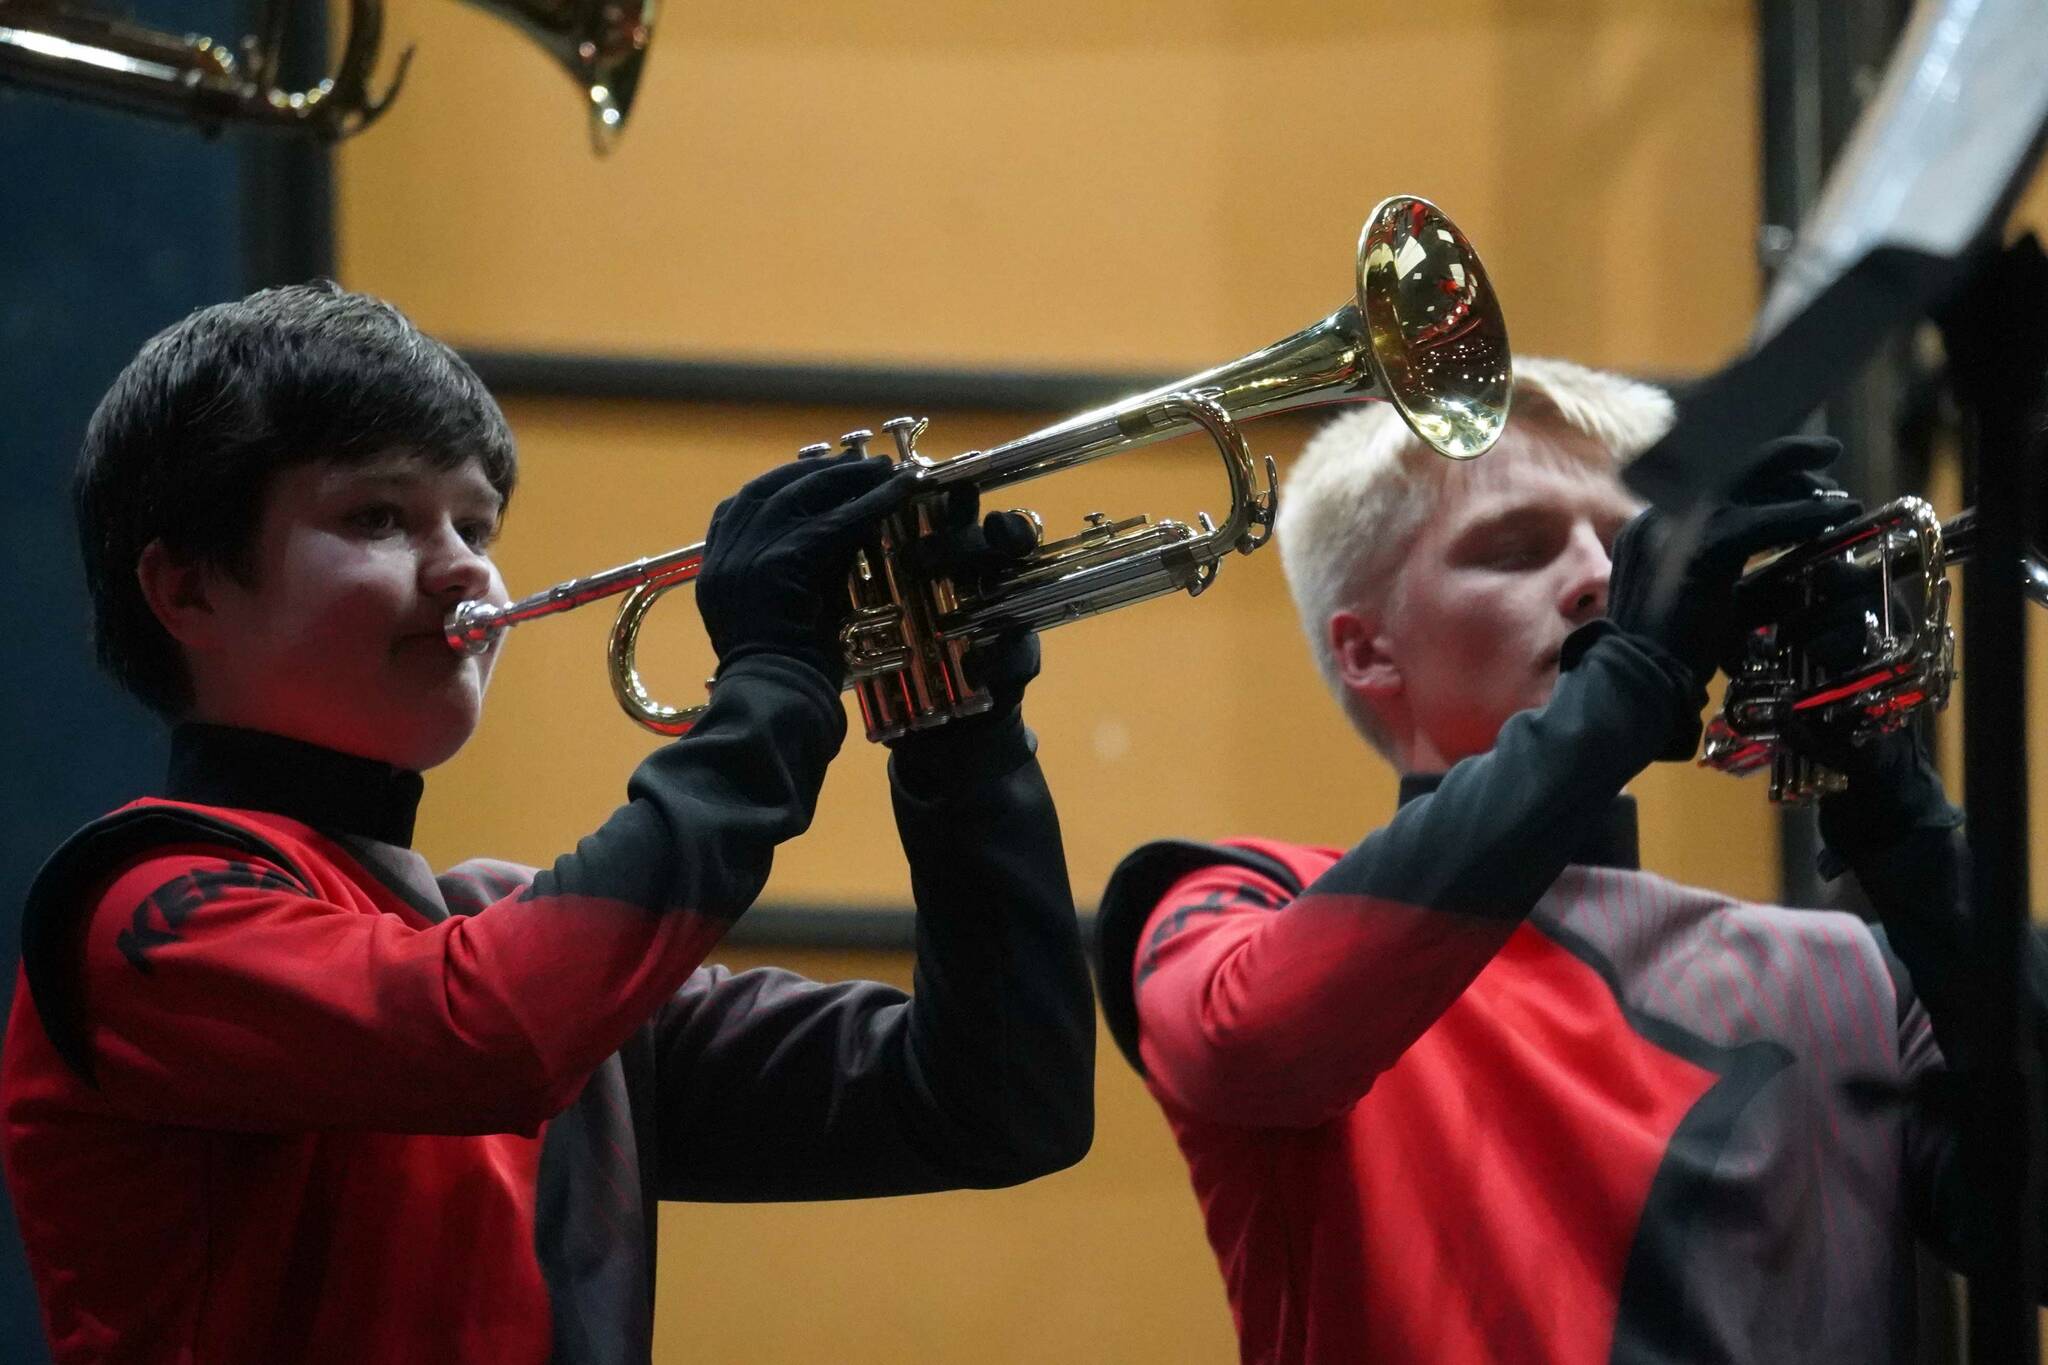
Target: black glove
x,y
1832,628
968,547
1893,786
778,552
1673,584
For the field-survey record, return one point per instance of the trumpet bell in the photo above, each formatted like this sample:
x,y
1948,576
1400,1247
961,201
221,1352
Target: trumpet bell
x,y
1422,331
602,44
1439,344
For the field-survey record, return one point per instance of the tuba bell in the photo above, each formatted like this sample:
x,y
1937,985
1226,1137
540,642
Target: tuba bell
x,y
1422,331
58,47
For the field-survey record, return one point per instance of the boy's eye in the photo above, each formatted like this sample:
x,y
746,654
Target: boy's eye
x,y
478,535
376,519
1515,552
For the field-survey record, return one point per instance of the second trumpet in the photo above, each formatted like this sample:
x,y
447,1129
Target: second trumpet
x,y
1901,662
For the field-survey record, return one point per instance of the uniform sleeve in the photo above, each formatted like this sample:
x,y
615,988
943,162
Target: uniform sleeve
x,y
1257,1011
774,1087
221,991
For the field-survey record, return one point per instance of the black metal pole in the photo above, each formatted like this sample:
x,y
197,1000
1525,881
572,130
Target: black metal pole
x,y
1998,353
287,182
1816,60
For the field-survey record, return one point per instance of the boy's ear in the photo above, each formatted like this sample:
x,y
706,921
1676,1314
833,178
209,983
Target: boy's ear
x,y
1364,661
180,593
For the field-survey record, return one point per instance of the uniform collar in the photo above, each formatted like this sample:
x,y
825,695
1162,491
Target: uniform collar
x,y
1610,842
220,765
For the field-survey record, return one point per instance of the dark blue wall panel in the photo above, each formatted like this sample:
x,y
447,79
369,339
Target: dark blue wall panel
x,y
111,227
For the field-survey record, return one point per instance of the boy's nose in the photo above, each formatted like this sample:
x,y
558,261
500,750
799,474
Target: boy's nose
x,y
454,569
1585,587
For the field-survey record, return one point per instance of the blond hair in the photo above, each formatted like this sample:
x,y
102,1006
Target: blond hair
x,y
1364,485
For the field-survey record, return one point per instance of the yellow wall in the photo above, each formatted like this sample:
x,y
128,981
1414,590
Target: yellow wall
x,y
1069,185
1104,1262
1160,185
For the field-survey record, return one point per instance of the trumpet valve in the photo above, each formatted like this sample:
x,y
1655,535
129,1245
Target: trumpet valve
x,y
812,452
905,431
857,441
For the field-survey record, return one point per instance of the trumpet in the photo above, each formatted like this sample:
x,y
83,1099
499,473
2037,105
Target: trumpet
x,y
1898,556
55,46
1422,332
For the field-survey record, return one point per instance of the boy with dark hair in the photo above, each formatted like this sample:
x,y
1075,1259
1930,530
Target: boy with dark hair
x,y
184,446
276,1091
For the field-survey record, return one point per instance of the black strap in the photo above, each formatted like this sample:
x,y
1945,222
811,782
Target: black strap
x,y
1134,891
53,914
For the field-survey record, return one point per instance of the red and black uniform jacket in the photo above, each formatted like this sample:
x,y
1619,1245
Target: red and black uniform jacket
x,y
1481,1090
275,1091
